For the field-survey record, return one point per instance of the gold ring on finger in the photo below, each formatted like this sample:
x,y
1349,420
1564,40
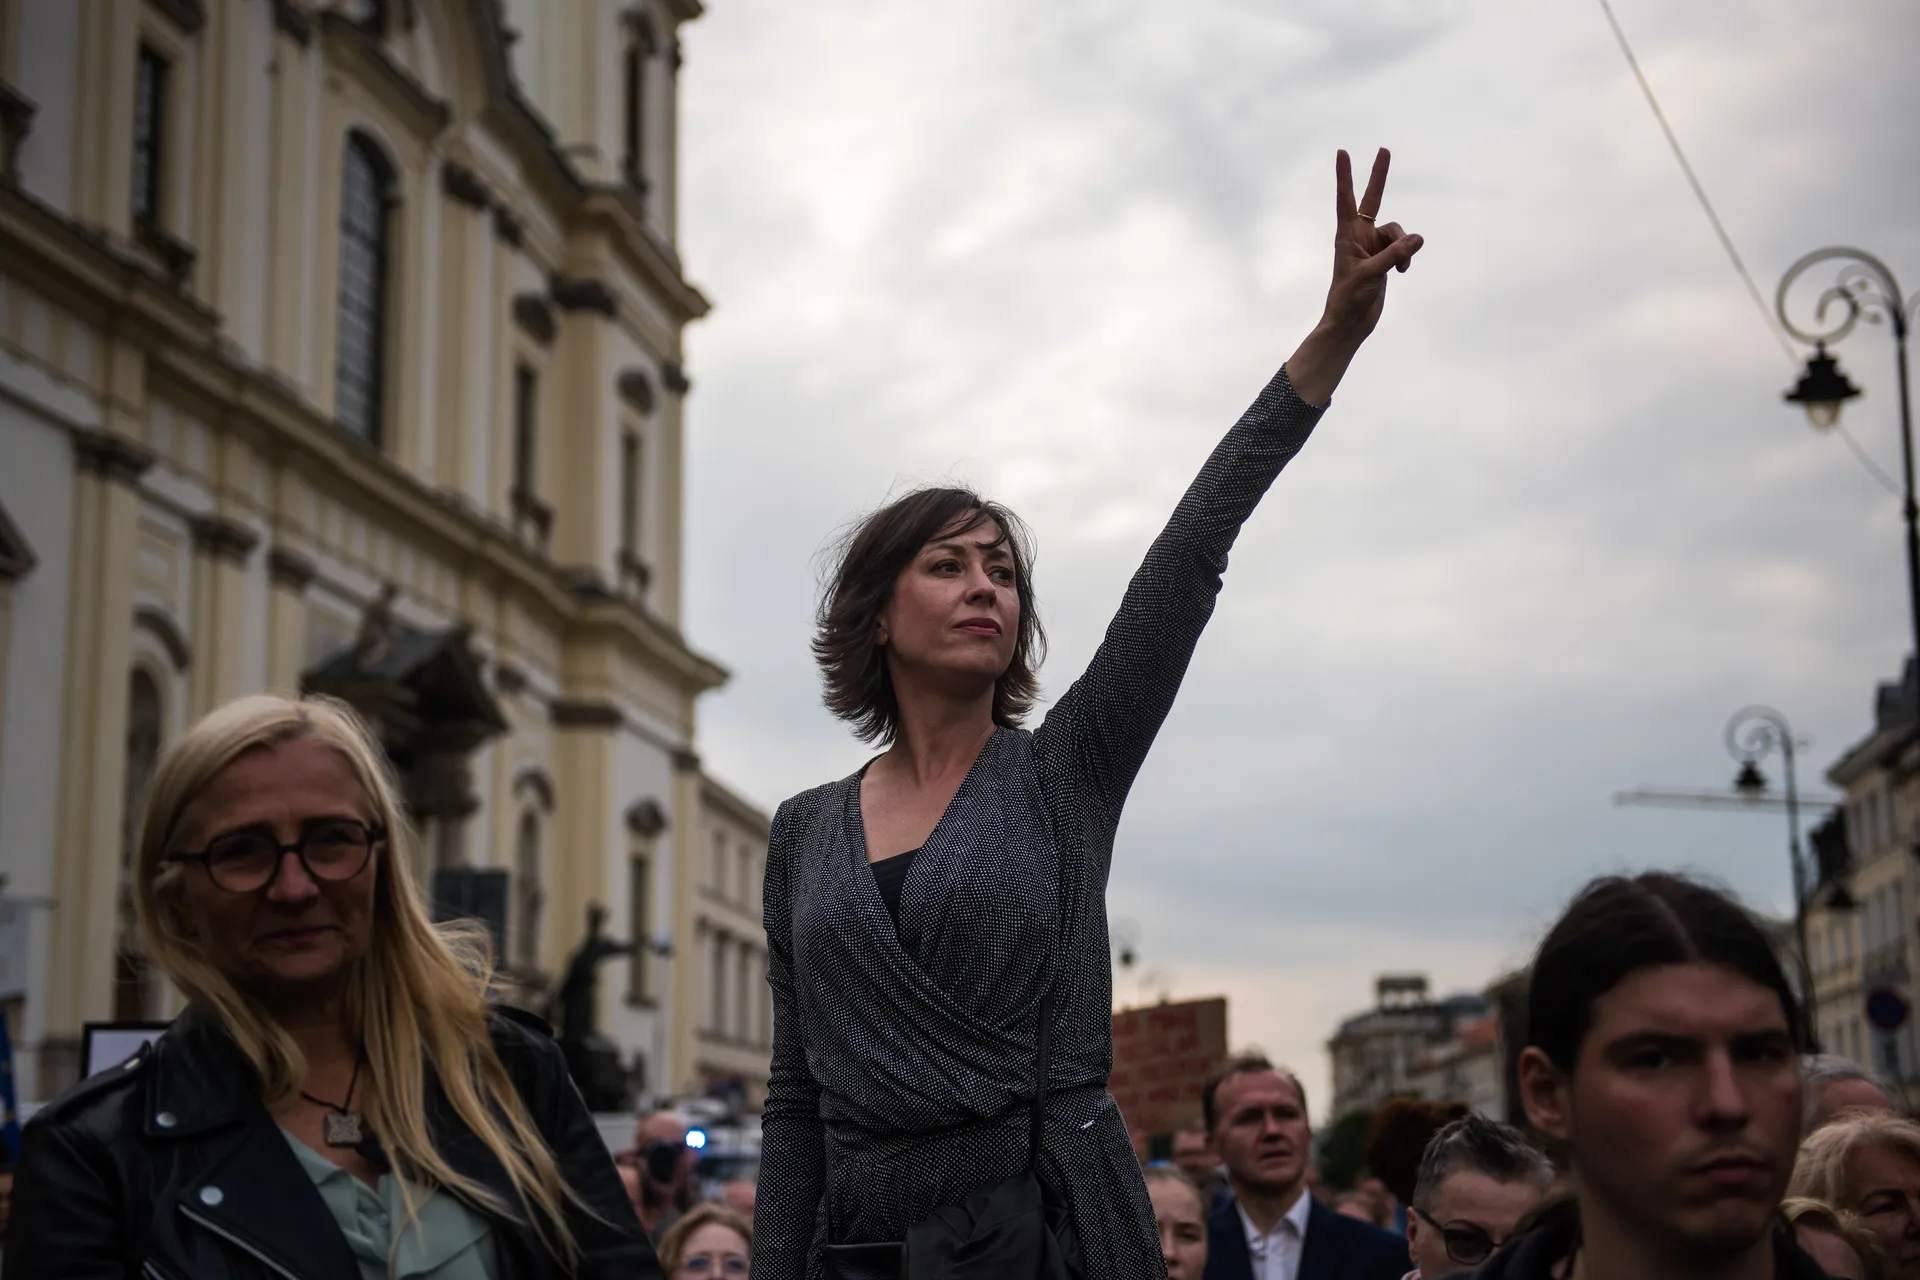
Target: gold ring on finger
x,y
1368,216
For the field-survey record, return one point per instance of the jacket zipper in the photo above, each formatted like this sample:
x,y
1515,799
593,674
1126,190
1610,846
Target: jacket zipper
x,y
232,1239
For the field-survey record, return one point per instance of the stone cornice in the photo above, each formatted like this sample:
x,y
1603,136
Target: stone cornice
x,y
353,46
188,15
223,539
645,818
674,378
613,208
636,389
16,553
464,185
535,318
291,19
508,227
102,453
575,294
290,569
585,713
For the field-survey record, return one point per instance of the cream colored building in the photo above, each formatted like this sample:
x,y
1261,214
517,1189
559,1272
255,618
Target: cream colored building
x,y
1868,937
340,347
722,1014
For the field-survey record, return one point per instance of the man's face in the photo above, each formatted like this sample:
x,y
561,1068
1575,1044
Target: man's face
x,y
1193,1155
1477,1212
1263,1135
1683,1109
1840,1097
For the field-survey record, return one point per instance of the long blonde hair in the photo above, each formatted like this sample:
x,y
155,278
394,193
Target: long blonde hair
x,y
416,1001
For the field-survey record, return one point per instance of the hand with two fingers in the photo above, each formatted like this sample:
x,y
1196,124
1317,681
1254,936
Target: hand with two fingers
x,y
1365,250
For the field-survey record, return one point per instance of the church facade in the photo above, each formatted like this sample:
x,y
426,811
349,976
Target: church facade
x,y
340,350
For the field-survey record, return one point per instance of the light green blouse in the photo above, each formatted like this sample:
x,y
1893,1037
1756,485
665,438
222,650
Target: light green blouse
x,y
448,1241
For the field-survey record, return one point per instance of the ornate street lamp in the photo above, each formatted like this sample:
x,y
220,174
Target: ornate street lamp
x,y
1864,290
1753,734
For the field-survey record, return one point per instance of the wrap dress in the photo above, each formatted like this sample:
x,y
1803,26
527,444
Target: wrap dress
x,y
903,1059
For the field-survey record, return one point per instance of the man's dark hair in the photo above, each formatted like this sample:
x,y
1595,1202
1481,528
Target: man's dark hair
x,y
1479,1145
867,563
1618,926
1246,1064
1398,1136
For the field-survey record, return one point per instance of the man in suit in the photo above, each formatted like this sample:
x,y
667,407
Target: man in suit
x,y
1271,1229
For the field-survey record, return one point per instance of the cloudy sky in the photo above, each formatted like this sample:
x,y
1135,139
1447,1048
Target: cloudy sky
x,y
1556,529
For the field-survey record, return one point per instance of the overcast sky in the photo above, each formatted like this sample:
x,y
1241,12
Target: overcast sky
x,y
1557,527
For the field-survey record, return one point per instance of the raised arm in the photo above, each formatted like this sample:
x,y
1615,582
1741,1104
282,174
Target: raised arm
x,y
792,1138
1107,720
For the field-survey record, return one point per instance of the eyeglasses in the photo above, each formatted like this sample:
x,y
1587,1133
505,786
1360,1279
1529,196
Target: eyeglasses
x,y
705,1264
1467,1245
332,849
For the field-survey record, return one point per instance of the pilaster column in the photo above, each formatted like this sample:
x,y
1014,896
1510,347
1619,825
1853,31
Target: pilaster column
x,y
93,729
289,573
221,548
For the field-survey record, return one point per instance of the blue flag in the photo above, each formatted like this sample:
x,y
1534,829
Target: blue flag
x,y
9,1104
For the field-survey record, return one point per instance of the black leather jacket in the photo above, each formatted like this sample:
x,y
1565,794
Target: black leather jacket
x,y
170,1168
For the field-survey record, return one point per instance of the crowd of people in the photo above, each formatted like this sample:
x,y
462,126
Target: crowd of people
x,y
1673,1131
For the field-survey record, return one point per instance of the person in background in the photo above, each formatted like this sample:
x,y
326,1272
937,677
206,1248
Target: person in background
x,y
1194,1155
1382,1208
1869,1165
709,1242
1397,1137
1270,1228
1359,1206
738,1196
1478,1180
666,1166
1660,1056
338,1099
1837,1241
1181,1216
1836,1086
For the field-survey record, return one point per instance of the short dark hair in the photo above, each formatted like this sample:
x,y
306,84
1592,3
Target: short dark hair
x,y
1619,926
1476,1143
1246,1064
868,561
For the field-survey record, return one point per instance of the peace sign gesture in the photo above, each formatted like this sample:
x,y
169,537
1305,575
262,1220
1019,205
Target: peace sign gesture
x,y
1364,250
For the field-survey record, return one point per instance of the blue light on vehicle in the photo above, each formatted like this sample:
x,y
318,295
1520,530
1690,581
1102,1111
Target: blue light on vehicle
x,y
697,1139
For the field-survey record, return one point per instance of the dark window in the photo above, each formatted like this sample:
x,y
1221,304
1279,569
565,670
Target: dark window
x,y
366,218
530,896
636,87
149,133
133,980
526,406
640,926
630,493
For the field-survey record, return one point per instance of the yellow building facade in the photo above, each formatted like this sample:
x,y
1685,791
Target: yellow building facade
x,y
340,349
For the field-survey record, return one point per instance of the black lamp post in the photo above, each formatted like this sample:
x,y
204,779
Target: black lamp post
x,y
1864,290
1752,734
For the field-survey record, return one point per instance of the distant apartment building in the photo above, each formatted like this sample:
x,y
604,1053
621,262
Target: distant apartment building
x,y
1390,1050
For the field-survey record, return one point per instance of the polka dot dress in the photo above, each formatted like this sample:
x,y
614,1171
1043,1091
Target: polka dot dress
x,y
903,1059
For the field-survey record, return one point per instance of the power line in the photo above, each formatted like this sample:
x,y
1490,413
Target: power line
x,y
1726,241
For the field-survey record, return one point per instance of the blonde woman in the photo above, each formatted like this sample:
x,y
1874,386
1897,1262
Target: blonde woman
x,y
710,1242
337,1100
1868,1165
1844,1248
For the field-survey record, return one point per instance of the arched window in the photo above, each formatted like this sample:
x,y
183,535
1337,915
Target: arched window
x,y
132,988
366,242
529,894
641,45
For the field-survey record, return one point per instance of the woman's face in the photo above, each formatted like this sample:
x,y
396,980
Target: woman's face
x,y
1883,1187
711,1253
954,612
1183,1228
297,937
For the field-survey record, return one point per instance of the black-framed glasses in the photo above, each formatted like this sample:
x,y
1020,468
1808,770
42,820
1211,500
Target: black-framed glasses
x,y
331,849
1466,1244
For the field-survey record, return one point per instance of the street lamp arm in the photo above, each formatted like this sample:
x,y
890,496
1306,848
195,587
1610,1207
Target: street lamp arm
x,y
1865,289
1758,731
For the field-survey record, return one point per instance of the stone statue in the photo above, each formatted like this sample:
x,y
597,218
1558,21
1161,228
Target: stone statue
x,y
592,1059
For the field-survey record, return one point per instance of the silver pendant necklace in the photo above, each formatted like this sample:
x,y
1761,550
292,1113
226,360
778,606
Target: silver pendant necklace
x,y
343,1128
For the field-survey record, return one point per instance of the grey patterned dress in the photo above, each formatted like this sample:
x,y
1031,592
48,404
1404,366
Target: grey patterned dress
x,y
907,1055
